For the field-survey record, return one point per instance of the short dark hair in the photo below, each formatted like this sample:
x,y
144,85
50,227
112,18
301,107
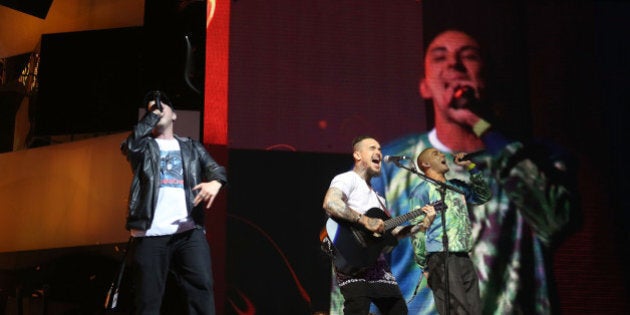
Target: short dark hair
x,y
359,139
152,95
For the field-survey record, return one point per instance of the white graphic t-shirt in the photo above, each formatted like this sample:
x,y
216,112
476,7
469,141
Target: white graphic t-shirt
x,y
171,215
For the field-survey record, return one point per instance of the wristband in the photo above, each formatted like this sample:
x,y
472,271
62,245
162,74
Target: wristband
x,y
470,166
481,127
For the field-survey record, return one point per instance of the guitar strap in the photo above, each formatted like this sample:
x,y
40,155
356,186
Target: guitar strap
x,y
383,207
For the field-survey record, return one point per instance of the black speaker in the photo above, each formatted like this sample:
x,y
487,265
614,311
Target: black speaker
x,y
9,104
37,8
89,82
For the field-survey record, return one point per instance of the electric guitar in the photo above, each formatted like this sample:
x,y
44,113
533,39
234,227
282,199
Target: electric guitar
x,y
357,248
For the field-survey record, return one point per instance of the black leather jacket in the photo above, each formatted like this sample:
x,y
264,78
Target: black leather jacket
x,y
143,154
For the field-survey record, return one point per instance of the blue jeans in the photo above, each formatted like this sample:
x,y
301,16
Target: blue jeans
x,y
187,255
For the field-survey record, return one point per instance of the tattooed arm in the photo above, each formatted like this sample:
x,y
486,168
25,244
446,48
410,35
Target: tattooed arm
x,y
336,207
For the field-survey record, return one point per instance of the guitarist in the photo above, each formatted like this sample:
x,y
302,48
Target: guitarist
x,y
350,195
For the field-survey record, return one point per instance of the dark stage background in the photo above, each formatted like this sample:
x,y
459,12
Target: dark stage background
x,y
273,255
311,75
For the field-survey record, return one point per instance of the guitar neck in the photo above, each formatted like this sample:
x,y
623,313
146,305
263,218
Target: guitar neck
x,y
394,222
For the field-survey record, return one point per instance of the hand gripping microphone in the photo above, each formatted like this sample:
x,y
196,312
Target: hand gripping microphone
x,y
471,155
464,97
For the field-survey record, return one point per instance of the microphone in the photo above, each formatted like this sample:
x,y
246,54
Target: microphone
x,y
158,102
471,155
464,96
394,158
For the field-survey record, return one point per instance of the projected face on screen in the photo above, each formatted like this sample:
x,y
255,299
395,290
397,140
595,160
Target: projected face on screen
x,y
452,62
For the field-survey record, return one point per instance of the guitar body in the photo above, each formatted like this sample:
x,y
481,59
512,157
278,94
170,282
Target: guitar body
x,y
356,248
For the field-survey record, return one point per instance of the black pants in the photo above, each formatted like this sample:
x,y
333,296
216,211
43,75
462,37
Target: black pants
x,y
360,305
463,283
185,254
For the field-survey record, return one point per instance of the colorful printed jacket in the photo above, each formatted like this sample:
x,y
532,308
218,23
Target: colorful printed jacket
x,y
458,197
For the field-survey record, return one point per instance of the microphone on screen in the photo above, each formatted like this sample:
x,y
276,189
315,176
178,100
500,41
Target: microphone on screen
x,y
158,102
464,97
